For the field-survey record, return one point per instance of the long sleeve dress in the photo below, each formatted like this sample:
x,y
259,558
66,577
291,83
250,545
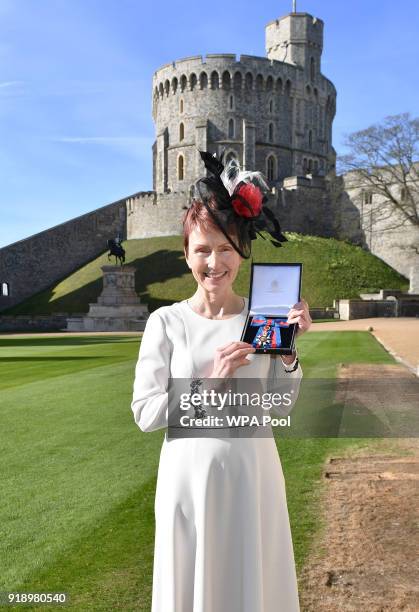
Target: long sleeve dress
x,y
223,539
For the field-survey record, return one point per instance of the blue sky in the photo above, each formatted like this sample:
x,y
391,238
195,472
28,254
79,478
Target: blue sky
x,y
75,87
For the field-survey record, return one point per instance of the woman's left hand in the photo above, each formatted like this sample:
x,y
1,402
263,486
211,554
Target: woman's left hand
x,y
300,314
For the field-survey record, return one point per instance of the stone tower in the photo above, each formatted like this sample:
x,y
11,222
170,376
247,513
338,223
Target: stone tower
x,y
273,113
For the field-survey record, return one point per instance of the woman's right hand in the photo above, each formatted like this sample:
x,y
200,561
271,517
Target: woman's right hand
x,y
229,357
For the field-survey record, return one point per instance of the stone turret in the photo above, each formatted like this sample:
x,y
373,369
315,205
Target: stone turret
x,y
297,39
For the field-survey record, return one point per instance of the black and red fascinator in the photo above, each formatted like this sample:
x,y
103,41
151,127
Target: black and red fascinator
x,y
235,199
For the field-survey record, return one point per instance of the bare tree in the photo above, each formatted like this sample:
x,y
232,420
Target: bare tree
x,y
382,160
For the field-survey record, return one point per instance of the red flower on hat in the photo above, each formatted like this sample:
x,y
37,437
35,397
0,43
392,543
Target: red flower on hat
x,y
247,200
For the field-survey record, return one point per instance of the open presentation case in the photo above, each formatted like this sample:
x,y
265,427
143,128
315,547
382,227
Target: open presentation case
x,y
274,289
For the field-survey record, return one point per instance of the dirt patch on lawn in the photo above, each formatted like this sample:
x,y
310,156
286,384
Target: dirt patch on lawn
x,y
368,371
365,557
377,401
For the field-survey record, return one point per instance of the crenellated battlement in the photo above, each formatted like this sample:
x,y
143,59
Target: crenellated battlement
x,y
155,214
221,71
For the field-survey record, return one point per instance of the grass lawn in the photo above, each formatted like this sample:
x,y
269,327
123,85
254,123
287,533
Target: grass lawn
x,y
78,476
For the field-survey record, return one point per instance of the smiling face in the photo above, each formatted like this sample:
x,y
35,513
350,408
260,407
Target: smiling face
x,y
212,260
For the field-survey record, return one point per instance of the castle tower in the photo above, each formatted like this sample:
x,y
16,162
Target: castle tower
x,y
274,113
296,39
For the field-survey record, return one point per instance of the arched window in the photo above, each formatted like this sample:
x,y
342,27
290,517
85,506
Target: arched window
x,y
271,168
271,106
231,103
226,80
312,69
174,85
180,165
214,80
181,131
167,86
203,80
271,132
183,82
310,164
5,289
269,83
193,81
181,105
238,79
248,81
231,128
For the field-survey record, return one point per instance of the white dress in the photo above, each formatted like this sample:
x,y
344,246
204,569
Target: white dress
x,y
223,539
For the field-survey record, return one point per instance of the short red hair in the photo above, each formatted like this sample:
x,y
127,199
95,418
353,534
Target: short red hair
x,y
197,215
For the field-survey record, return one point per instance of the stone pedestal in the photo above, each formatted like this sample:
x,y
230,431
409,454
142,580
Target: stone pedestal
x,y
118,307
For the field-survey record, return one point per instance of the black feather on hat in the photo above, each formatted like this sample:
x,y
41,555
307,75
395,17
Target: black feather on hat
x,y
236,198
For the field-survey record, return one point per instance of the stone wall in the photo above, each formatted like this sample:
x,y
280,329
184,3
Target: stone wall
x,y
150,214
35,263
325,312
33,323
376,226
414,278
302,206
365,309
404,306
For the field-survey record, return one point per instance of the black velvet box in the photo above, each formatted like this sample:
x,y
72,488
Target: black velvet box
x,y
274,289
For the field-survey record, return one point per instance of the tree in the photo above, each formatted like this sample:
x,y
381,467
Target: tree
x,y
383,160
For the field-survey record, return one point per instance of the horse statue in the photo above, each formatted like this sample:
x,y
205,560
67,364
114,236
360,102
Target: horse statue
x,y
116,250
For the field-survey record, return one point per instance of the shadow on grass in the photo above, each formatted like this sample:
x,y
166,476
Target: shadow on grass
x,y
157,267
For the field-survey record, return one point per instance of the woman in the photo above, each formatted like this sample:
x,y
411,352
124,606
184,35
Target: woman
x,y
223,540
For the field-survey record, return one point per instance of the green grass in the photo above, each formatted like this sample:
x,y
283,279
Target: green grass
x,y
78,476
332,269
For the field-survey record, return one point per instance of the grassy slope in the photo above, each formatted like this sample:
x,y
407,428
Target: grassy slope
x,y
331,269
78,476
